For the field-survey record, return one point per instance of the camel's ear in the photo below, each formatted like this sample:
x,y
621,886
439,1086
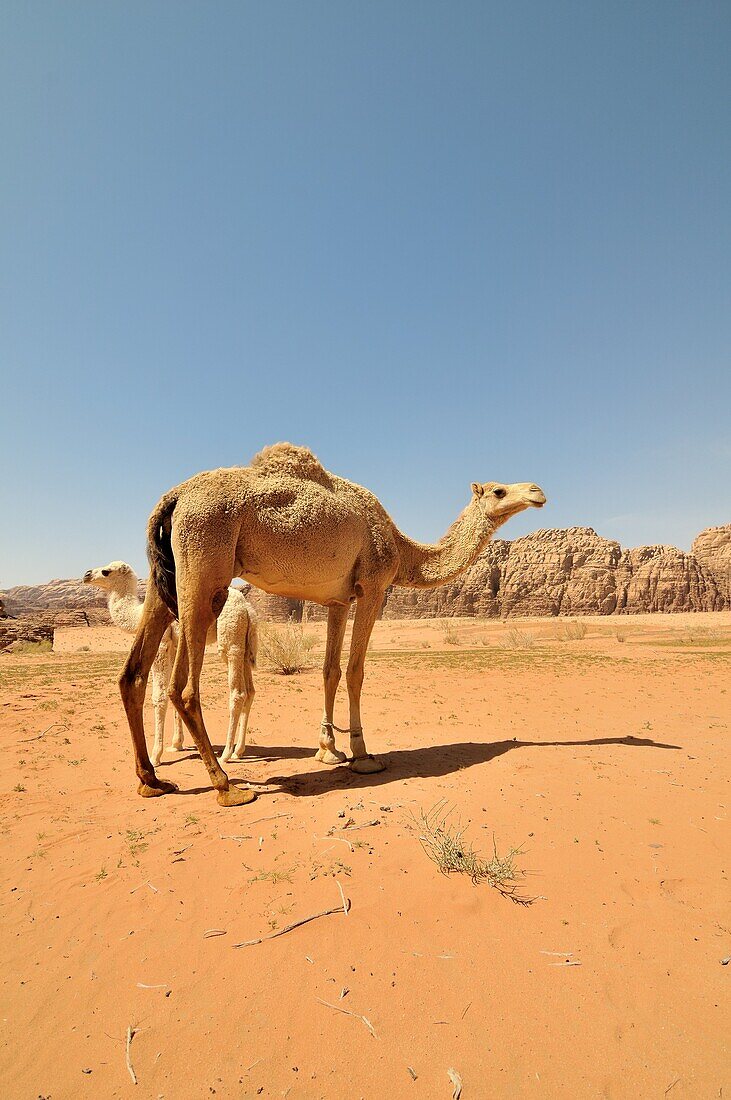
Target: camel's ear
x,y
477,489
124,568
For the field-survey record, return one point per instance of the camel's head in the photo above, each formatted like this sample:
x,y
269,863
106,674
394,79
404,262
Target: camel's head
x,y
499,502
115,577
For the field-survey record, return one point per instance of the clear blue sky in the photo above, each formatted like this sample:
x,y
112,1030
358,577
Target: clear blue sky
x,y
436,242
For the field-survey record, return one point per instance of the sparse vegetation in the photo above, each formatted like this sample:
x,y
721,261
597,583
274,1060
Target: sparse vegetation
x,y
518,639
445,843
26,647
287,647
572,631
450,635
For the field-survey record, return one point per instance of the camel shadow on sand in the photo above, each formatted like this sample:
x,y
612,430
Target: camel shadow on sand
x,y
418,763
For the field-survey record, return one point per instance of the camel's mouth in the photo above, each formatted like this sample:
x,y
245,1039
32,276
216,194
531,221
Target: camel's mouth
x,y
536,503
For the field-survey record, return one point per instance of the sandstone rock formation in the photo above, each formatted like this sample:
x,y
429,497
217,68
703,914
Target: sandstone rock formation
x,y
712,549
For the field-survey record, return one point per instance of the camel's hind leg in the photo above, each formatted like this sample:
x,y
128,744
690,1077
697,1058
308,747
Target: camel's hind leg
x,y
240,698
133,683
198,610
337,620
365,616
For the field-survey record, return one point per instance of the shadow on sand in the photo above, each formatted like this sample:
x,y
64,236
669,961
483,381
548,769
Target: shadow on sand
x,y
419,763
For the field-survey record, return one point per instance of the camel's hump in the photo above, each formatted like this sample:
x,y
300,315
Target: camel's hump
x,y
293,461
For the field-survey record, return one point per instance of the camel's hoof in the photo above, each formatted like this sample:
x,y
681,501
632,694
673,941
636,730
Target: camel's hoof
x,y
225,757
330,756
178,748
237,758
156,788
367,765
155,759
235,796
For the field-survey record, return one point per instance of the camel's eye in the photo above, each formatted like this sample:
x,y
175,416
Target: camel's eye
x,y
499,493
106,572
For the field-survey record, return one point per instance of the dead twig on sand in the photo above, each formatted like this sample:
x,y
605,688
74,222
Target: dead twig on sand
x,y
211,932
38,736
272,817
365,825
342,895
296,924
347,1012
131,1032
456,1080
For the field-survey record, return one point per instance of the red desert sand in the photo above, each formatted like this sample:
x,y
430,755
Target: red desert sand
x,y
604,758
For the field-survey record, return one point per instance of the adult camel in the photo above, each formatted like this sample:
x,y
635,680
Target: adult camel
x,y
291,528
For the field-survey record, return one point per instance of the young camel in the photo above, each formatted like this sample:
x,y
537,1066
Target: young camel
x,y
291,528
235,632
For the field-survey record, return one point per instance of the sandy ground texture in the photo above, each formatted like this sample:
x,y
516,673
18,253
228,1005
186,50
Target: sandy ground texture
x,y
604,758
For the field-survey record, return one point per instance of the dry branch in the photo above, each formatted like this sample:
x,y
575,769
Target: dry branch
x,y
456,1080
295,924
347,1012
38,736
130,1035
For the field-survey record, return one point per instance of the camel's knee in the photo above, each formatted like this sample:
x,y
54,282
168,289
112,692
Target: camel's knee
x,y
331,674
355,675
186,700
131,682
236,699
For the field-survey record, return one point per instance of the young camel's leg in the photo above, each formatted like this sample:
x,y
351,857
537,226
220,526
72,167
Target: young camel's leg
x,y
177,744
240,698
161,668
337,619
197,613
133,683
365,616
249,693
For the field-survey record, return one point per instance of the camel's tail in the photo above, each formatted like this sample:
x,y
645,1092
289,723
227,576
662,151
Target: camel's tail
x,y
160,551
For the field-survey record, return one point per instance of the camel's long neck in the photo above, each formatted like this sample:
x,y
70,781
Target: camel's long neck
x,y
125,609
424,566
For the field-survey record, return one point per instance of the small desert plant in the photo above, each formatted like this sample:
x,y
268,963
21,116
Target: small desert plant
x,y
450,635
286,647
622,635
572,631
24,647
518,639
445,844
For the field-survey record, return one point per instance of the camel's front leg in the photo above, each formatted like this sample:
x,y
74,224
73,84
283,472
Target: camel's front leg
x,y
337,618
365,616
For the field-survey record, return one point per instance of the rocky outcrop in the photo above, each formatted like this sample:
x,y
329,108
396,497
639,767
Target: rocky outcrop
x,y
69,595
572,571
712,549
663,578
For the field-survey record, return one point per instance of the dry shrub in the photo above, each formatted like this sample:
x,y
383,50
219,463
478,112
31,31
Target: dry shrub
x,y
450,635
518,639
286,647
572,631
445,844
27,647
